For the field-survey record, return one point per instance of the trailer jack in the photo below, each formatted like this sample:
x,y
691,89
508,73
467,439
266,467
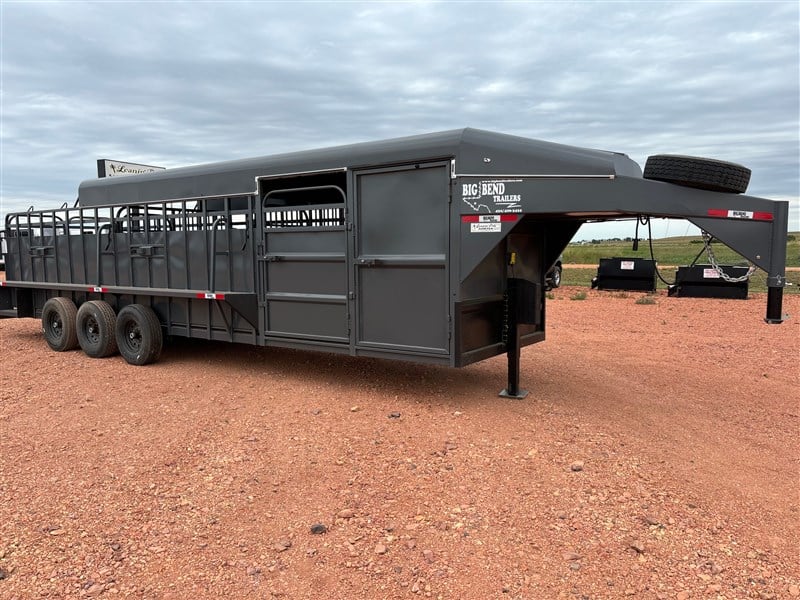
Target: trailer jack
x,y
512,390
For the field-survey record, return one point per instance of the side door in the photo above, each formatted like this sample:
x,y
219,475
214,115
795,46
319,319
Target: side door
x,y
302,264
400,274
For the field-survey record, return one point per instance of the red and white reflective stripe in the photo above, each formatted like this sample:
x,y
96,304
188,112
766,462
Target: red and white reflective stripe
x,y
98,290
210,296
509,218
739,214
2,283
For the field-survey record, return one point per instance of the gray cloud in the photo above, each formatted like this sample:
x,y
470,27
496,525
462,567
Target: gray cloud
x,y
185,83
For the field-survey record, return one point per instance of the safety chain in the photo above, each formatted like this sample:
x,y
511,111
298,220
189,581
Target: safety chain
x,y
713,260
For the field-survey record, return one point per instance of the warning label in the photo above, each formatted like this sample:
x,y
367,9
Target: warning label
x,y
710,274
626,265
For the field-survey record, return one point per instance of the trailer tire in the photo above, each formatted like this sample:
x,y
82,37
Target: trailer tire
x,y
555,278
58,324
701,173
138,333
96,329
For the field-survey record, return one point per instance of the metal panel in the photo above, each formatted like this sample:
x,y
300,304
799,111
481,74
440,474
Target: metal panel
x,y
302,273
403,306
307,277
403,212
401,263
305,318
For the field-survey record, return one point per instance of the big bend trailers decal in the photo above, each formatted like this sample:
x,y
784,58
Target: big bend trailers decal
x,y
493,196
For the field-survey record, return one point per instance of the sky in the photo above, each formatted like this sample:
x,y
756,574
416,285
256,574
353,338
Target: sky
x,y
176,84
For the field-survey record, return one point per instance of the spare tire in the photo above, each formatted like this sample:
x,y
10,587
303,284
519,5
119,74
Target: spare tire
x,y
694,172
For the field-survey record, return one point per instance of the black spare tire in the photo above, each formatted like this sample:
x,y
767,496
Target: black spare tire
x,y
695,172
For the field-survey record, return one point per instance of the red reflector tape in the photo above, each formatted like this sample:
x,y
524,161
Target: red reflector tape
x,y
210,296
489,218
2,283
98,290
739,214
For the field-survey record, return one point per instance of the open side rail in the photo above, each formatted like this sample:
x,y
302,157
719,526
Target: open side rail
x,y
200,249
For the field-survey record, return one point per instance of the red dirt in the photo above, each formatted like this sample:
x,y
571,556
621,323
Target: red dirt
x,y
656,457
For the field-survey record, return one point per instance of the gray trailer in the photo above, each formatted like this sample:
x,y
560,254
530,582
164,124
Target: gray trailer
x,y
432,248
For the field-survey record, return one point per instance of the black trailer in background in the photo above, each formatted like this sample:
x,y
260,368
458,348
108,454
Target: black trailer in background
x,y
431,248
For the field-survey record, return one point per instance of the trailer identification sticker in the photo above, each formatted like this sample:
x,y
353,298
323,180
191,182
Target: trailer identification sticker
x,y
487,223
710,274
627,265
485,227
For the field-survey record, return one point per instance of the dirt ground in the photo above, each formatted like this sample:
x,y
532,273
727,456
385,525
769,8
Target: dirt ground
x,y
657,456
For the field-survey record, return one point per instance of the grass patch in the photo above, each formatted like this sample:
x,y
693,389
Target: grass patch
x,y
578,296
550,296
646,300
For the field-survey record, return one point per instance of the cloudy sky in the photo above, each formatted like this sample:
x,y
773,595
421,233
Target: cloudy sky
x,y
174,84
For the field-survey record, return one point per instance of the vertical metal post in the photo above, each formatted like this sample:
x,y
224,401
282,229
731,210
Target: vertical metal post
x,y
776,278
212,275
774,305
513,345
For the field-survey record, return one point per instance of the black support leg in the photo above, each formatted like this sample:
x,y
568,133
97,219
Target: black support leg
x,y
513,352
774,305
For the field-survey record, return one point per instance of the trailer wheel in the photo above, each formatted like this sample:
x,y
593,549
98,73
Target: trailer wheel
x,y
694,172
555,278
95,324
58,324
139,336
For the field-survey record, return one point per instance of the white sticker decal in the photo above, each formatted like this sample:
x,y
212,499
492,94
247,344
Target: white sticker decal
x,y
479,195
710,274
485,227
626,265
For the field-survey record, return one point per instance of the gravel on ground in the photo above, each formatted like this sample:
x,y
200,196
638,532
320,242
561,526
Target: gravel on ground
x,y
657,456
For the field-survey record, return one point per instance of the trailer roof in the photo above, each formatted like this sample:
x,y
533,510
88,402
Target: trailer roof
x,y
475,152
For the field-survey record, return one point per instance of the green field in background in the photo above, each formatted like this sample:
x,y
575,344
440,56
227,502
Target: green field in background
x,y
670,252
583,277
667,251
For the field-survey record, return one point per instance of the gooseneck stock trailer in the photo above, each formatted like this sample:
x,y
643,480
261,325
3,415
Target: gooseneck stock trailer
x,y
432,248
